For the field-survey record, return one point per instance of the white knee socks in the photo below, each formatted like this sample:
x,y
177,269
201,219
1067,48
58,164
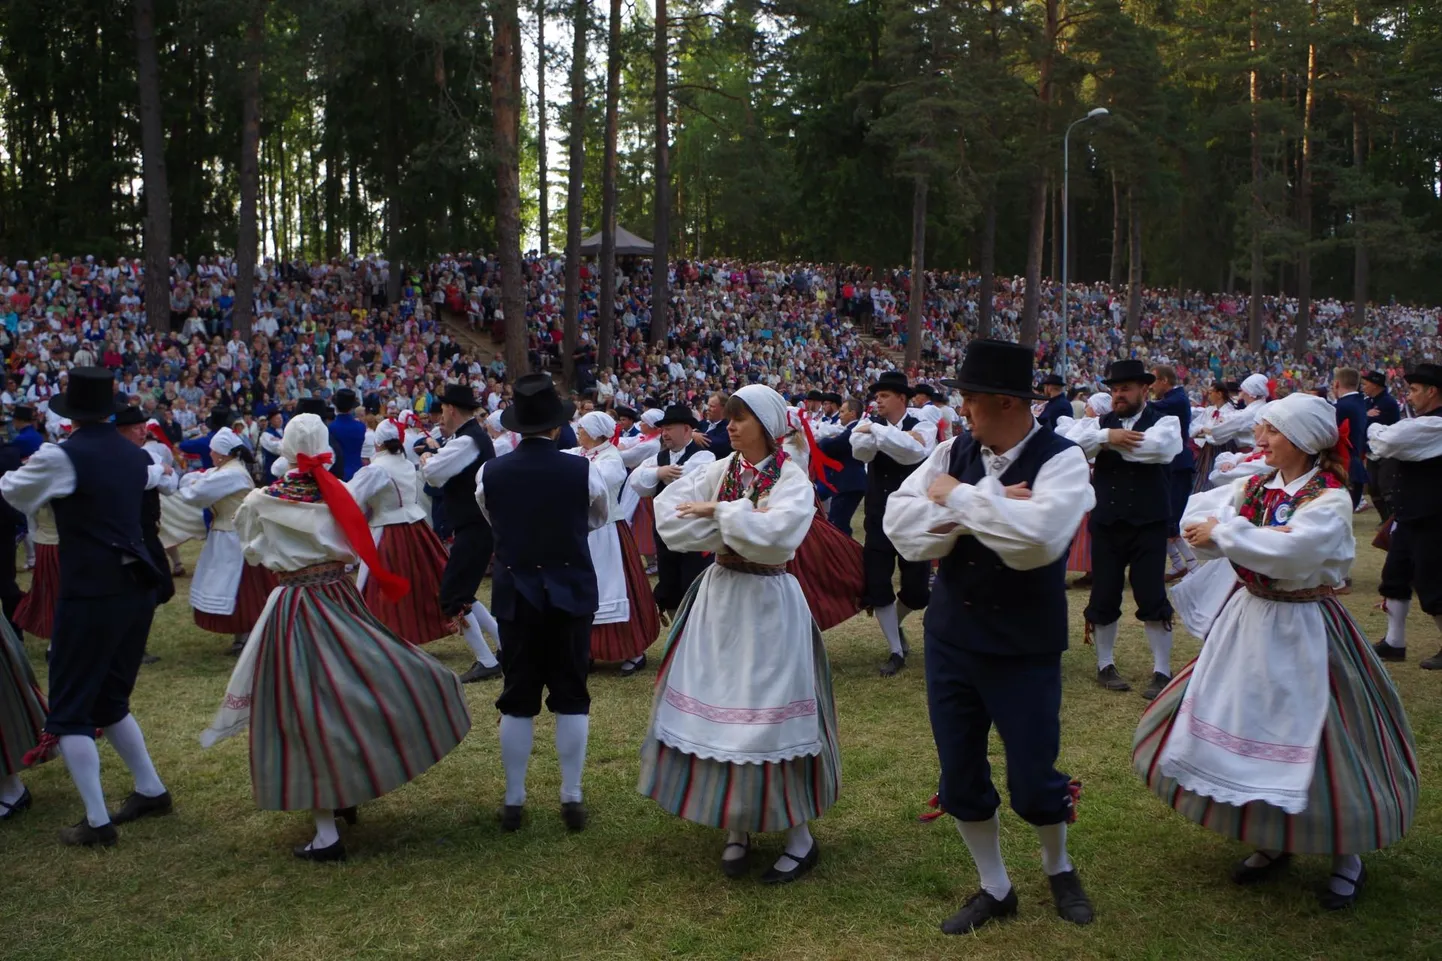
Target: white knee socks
x,y
1054,859
1104,636
798,845
326,832
571,733
1179,563
1397,622
486,621
125,736
82,760
471,631
890,626
1159,637
1349,866
517,735
11,790
983,840
731,853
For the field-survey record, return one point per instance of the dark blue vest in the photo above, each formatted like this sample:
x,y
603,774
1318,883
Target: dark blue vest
x,y
1128,492
883,478
539,502
1418,494
267,459
102,547
459,493
978,603
349,435
1177,404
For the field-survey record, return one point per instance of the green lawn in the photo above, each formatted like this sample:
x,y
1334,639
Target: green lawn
x,y
431,876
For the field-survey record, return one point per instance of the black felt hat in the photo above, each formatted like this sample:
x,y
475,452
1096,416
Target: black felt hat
x,y
536,407
1129,372
678,414
1429,374
1053,380
130,416
925,390
462,396
627,413
90,395
219,417
894,381
995,367
1371,377
24,412
310,405
345,400
815,395
831,397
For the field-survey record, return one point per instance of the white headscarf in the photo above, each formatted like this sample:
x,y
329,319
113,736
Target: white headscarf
x,y
652,417
768,406
225,441
1306,420
386,430
305,434
1100,403
599,425
1256,386
493,421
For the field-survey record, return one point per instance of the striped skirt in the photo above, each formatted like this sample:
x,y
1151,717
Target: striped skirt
x,y
627,639
1364,791
745,797
643,527
414,550
829,568
36,611
256,583
22,705
1079,561
342,711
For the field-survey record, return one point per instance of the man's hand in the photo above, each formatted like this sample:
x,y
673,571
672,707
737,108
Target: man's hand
x,y
696,509
700,438
1018,492
1200,534
1123,438
668,473
941,488
1374,412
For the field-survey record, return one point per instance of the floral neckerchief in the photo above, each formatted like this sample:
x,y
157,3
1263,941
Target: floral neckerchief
x,y
731,487
300,488
1274,507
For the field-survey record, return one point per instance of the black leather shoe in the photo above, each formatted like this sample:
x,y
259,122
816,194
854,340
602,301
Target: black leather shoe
x,y
573,813
633,667
1245,873
83,835
1159,681
1433,663
14,808
737,867
893,665
1386,652
479,673
511,817
139,806
1108,678
348,815
336,852
981,908
805,864
236,649
1072,903
1332,901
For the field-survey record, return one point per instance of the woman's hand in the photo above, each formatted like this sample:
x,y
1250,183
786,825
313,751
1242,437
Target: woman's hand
x,y
1200,535
699,509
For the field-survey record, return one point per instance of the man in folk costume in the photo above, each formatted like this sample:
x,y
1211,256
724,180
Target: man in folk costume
x,y
544,591
1169,398
1382,408
1056,403
1352,410
1133,446
850,481
679,454
348,432
270,439
1414,560
199,447
131,424
96,482
998,506
452,469
892,444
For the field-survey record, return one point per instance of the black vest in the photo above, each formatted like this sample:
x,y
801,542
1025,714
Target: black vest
x,y
459,493
539,501
663,459
1418,494
150,532
1128,492
978,603
102,546
883,478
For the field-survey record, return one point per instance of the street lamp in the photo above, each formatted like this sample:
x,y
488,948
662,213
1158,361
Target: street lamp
x,y
1094,114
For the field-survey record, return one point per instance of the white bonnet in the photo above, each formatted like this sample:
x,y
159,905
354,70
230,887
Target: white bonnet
x,y
1100,403
598,424
305,434
225,441
768,406
1306,420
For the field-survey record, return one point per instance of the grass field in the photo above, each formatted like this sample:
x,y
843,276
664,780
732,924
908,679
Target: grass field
x,y
431,876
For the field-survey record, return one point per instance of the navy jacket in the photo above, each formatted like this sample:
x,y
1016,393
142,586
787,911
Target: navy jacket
x,y
1177,404
720,440
542,555
1058,406
198,447
978,603
851,479
1388,411
1352,409
349,435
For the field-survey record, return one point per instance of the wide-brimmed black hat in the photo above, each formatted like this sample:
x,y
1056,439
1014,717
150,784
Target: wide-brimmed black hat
x,y
1053,380
677,414
1129,372
345,400
1371,377
627,413
831,397
995,367
925,390
129,416
894,381
219,417
1429,374
537,407
90,395
462,396
24,412
308,405
815,395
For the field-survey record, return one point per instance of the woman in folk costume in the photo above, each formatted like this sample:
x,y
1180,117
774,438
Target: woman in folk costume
x,y
227,593
1286,732
1079,561
340,709
179,522
504,441
743,724
36,611
1204,421
388,490
22,721
1237,427
635,509
626,621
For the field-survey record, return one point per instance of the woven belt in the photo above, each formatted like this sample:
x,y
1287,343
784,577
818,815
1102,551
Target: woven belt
x,y
1291,597
735,562
311,576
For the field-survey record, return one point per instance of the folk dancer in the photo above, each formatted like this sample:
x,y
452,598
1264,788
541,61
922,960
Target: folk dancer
x,y
1079,558
636,510
998,506
850,480
1169,398
134,427
1056,404
1382,408
1352,410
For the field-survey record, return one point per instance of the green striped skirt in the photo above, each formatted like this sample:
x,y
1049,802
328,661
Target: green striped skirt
x,y
744,797
1363,794
22,707
342,710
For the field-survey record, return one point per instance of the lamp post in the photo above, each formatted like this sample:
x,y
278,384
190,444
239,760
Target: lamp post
x,y
1065,217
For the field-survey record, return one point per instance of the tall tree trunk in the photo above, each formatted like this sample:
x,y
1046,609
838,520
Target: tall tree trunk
x,y
1134,271
1114,276
545,225
1036,238
505,113
1301,335
660,260
332,178
988,264
353,207
575,175
1254,88
157,189
1359,159
918,273
606,315
249,169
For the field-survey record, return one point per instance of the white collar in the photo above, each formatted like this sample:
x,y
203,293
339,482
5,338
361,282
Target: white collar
x,y
1275,482
1015,450
1348,394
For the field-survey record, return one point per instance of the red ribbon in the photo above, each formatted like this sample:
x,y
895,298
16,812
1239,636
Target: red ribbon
x,y
818,461
1344,443
352,521
616,436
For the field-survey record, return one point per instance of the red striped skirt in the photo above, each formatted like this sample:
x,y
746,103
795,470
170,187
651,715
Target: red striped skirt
x,y
643,529
256,583
1079,561
36,612
630,638
829,567
415,551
